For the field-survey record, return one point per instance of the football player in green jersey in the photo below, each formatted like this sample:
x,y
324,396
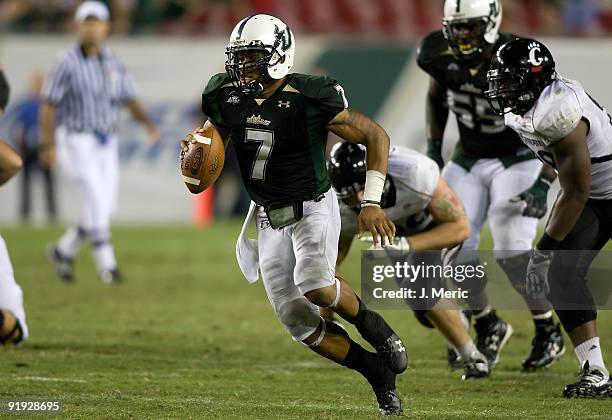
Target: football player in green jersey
x,y
496,177
278,123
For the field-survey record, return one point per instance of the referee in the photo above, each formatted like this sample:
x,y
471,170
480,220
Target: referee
x,y
83,95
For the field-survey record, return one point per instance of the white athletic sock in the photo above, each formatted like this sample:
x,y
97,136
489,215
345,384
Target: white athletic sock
x,y
70,242
591,351
486,311
543,317
104,255
467,350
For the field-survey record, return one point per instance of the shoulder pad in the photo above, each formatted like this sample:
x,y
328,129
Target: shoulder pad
x,y
216,82
432,47
309,85
557,112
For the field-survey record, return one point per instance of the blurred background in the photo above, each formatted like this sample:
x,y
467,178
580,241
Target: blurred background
x,y
172,48
387,18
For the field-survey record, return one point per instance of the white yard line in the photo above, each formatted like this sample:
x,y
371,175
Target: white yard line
x,y
47,379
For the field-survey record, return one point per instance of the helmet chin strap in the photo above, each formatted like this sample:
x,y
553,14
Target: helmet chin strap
x,y
256,87
252,89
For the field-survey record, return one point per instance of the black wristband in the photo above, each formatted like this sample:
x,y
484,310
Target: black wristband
x,y
548,243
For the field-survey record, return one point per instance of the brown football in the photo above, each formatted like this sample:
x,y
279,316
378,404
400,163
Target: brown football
x,y
202,163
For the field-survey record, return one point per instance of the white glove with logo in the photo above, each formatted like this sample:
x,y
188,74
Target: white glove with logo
x,y
537,274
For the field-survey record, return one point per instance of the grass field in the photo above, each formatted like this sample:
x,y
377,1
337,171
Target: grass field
x,y
187,337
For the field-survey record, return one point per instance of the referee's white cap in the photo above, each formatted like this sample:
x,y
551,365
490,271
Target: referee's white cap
x,y
91,8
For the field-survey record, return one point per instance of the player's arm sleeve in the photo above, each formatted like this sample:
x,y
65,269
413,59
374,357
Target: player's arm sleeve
x,y
127,90
331,99
56,86
421,175
426,56
210,100
560,119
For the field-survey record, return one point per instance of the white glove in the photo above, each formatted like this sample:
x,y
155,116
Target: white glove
x,y
537,274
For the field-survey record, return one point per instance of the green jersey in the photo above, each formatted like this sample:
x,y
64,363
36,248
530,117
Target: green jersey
x,y
279,141
483,133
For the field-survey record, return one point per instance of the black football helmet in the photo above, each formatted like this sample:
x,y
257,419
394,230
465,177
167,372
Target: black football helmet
x,y
346,167
520,70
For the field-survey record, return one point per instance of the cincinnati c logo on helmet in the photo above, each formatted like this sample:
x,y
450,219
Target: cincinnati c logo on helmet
x,y
534,48
283,38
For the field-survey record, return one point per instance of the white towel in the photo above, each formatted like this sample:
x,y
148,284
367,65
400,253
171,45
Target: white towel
x,y
247,252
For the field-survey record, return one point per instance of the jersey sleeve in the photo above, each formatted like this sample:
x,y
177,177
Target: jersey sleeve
x,y
418,174
128,87
330,98
210,99
56,86
429,52
557,114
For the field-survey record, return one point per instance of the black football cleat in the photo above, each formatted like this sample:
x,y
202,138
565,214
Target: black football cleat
x,y
475,367
393,352
492,335
547,347
382,381
64,268
593,382
389,403
375,330
111,276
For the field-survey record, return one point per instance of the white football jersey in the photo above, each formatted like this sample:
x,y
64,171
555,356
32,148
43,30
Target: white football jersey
x,y
556,113
415,177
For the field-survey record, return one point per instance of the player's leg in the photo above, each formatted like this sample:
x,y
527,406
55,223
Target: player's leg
x,y
76,154
472,188
442,314
106,196
513,235
13,327
301,319
26,183
49,181
451,326
315,243
473,193
573,302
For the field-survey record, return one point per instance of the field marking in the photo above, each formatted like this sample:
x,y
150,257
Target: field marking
x,y
47,379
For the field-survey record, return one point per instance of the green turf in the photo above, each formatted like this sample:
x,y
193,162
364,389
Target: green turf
x,y
187,337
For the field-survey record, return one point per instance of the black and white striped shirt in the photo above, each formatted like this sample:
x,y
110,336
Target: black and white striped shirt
x,y
88,91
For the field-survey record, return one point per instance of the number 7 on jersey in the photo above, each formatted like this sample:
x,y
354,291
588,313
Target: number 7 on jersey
x,y
266,138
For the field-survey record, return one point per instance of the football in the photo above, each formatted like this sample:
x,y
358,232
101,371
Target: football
x,y
202,163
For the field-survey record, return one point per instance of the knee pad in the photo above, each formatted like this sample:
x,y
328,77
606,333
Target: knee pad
x,y
511,231
299,317
99,236
420,315
571,319
323,301
515,268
